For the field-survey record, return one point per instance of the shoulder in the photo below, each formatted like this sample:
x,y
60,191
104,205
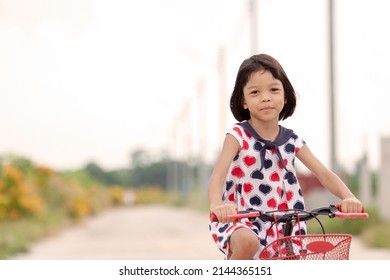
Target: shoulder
x,y
238,131
292,138
240,134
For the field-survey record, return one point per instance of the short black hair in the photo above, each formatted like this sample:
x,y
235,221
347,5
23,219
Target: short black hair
x,y
257,63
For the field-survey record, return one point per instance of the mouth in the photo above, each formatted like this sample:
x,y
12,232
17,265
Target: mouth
x,y
266,108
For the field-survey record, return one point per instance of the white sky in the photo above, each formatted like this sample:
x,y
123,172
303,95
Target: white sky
x,y
85,80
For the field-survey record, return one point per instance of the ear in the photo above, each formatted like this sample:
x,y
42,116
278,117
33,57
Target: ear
x,y
243,104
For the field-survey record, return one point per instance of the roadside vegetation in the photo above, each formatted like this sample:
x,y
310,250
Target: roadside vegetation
x,y
372,231
37,201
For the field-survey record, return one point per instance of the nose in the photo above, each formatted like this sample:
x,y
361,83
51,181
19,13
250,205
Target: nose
x,y
266,96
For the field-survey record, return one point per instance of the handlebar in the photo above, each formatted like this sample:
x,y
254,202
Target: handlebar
x,y
332,211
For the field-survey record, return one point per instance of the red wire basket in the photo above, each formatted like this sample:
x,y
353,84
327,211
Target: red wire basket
x,y
309,247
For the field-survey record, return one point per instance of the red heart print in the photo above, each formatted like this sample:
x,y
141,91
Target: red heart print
x,y
289,195
249,160
283,206
271,203
274,177
281,165
245,145
248,187
236,129
237,171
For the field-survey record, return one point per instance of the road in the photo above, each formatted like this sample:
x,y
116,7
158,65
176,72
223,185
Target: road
x,y
147,233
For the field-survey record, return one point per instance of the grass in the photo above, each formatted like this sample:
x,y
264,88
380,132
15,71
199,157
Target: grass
x,y
16,236
377,236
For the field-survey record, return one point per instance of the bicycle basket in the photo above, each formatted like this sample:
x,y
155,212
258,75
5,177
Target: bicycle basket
x,y
309,247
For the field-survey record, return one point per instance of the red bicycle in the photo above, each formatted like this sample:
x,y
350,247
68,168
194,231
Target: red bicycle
x,y
304,247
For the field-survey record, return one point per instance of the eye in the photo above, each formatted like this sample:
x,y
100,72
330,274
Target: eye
x,y
254,92
275,89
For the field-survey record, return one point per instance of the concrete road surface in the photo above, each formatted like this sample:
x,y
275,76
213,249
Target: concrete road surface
x,y
146,233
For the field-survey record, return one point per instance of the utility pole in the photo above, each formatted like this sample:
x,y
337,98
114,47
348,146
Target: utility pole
x,y
332,102
253,11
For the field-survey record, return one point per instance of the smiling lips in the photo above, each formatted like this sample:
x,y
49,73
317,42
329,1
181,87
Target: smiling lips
x,y
266,108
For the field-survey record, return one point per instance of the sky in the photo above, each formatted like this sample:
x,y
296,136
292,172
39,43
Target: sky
x,y
84,80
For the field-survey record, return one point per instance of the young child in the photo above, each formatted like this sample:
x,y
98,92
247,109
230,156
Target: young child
x,y
256,166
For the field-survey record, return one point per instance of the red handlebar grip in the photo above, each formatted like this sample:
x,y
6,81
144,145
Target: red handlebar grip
x,y
343,215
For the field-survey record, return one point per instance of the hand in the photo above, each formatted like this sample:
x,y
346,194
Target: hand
x,y
222,211
351,205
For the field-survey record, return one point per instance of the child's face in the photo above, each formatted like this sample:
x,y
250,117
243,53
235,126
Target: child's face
x,y
263,96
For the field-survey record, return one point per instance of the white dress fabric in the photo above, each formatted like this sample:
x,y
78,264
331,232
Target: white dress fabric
x,y
261,177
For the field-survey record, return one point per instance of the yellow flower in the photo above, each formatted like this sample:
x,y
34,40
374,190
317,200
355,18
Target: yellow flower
x,y
14,173
45,170
31,203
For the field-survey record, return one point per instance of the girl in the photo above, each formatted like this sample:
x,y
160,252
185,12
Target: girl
x,y
256,166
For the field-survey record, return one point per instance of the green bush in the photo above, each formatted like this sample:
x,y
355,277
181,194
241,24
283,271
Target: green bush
x,y
377,236
350,226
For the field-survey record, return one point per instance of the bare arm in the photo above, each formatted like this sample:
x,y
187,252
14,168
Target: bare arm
x,y
329,180
230,149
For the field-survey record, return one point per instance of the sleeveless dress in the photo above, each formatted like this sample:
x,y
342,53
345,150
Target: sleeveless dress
x,y
262,177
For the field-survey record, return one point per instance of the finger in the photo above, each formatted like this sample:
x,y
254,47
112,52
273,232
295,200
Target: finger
x,y
355,207
229,211
224,215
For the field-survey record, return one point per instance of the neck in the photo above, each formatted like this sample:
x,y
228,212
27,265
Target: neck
x,y
267,131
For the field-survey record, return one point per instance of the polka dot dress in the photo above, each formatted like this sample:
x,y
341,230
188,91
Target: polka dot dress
x,y
262,177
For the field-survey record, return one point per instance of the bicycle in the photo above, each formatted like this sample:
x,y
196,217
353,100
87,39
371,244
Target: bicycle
x,y
303,247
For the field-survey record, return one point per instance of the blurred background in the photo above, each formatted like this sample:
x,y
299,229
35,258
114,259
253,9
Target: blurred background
x,y
106,103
